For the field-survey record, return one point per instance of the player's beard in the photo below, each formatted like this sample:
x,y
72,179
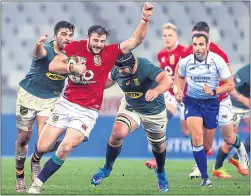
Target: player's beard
x,y
92,51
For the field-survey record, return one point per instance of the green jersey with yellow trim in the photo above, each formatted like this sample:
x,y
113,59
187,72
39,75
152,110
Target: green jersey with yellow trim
x,y
242,84
39,81
136,85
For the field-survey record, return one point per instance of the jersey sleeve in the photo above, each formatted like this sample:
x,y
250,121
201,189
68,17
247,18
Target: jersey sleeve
x,y
72,49
221,53
113,73
115,50
182,68
222,67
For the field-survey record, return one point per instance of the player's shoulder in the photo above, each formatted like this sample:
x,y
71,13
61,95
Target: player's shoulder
x,y
144,61
215,57
181,47
216,49
162,53
187,51
186,60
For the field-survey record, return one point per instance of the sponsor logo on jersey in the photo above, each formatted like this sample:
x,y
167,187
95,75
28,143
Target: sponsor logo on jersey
x,y
200,79
134,95
53,76
136,81
85,78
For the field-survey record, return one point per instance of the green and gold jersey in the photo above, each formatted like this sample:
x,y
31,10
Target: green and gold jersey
x,y
136,86
39,81
242,84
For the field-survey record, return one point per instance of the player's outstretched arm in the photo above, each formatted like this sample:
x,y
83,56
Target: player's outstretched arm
x,y
59,65
39,50
140,33
241,98
164,83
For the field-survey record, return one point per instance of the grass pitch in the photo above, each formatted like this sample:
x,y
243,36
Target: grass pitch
x,y
127,177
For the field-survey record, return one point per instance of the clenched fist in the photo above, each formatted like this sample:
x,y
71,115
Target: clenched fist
x,y
147,11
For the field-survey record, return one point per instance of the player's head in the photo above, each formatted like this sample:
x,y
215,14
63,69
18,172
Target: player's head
x,y
63,34
201,27
97,36
169,35
125,64
200,45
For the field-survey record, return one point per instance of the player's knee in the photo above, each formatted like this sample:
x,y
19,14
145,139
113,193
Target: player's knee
x,y
42,146
198,140
24,125
23,138
120,131
230,139
64,150
158,144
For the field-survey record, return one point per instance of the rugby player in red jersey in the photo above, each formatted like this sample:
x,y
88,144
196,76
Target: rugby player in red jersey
x,y
75,113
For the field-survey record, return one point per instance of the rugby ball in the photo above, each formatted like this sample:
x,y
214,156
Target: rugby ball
x,y
76,78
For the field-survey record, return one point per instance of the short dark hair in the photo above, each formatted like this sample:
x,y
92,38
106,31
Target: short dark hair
x,y
99,30
63,24
201,35
201,26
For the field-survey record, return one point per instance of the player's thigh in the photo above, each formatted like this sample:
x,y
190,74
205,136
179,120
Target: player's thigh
x,y
155,128
45,109
41,121
184,128
171,104
227,131
124,124
48,137
193,116
154,123
225,112
128,116
72,139
26,110
210,112
83,120
208,137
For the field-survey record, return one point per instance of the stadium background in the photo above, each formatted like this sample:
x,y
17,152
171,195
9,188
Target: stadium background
x,y
23,23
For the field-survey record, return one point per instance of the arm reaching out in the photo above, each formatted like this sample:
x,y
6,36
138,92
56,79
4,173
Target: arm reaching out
x,y
140,33
39,50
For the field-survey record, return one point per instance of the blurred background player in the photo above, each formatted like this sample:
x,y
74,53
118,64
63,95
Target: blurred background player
x,y
202,71
168,59
241,104
75,113
143,84
37,95
225,113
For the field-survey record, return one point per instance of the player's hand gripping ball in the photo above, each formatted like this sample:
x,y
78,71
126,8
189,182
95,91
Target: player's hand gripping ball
x,y
74,77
